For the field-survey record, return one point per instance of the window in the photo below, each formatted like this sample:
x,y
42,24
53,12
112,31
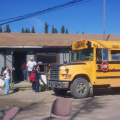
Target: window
x,y
82,55
46,58
42,68
115,55
105,55
102,54
74,56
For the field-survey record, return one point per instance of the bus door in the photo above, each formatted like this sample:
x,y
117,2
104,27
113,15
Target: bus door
x,y
107,71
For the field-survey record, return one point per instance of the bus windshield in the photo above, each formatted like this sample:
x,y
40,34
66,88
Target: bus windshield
x,y
82,55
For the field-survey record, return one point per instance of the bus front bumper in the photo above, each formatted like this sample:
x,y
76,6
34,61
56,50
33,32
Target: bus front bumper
x,y
57,84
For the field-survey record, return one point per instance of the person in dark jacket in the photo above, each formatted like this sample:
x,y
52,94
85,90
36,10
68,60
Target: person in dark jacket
x,y
37,79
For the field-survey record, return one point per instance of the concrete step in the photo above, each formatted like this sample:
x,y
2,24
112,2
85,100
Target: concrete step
x,y
21,85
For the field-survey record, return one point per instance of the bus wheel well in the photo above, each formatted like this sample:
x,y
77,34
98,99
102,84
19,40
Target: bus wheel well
x,y
83,76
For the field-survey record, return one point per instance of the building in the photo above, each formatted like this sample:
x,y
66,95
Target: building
x,y
44,48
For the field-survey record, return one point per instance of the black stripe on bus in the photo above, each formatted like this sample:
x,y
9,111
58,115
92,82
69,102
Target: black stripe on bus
x,y
76,63
116,70
109,62
107,77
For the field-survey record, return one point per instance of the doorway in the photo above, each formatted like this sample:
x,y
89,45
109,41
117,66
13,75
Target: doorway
x,y
18,59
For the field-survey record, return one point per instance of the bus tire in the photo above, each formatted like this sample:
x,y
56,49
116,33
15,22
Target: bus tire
x,y
80,88
59,92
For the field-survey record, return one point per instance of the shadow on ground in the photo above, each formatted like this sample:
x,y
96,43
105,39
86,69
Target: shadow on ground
x,y
14,91
89,104
97,92
101,92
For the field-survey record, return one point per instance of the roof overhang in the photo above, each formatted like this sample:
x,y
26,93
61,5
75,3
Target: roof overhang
x,y
21,47
56,46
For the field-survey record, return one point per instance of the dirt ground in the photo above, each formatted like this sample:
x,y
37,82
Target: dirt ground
x,y
105,105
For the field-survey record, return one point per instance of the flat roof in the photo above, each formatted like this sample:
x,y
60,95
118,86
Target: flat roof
x,y
41,40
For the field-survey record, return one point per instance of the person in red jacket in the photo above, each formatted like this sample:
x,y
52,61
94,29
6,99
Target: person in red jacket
x,y
32,78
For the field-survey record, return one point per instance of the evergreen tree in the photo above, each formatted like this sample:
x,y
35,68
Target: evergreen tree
x,y
46,27
63,29
8,30
28,31
4,29
22,31
0,29
54,30
66,31
33,30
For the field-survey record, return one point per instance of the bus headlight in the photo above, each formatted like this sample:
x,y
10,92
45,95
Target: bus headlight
x,y
67,76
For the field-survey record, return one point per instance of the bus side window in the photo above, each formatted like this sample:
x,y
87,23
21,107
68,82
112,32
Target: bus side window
x,y
105,54
102,54
115,55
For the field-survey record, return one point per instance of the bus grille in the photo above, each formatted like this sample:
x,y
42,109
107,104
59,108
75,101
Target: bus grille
x,y
54,73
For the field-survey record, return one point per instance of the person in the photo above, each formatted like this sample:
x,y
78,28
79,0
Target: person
x,y
30,65
23,68
6,75
37,79
32,78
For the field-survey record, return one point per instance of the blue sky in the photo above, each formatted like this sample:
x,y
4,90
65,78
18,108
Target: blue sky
x,y
87,17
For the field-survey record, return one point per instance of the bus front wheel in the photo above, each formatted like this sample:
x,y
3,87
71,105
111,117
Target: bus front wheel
x,y
80,88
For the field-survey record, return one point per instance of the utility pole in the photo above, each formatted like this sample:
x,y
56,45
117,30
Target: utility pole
x,y
103,19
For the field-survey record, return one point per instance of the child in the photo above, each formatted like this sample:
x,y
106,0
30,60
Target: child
x,y
32,78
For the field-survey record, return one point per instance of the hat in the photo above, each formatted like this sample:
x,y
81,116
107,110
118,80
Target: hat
x,y
31,58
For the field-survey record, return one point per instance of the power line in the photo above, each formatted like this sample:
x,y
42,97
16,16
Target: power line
x,y
46,10
68,4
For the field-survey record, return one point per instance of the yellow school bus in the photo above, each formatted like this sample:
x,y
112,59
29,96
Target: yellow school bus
x,y
94,63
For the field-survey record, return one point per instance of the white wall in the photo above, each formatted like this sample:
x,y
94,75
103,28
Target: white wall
x,y
9,59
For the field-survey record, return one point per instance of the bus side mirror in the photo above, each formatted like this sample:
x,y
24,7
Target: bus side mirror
x,y
65,62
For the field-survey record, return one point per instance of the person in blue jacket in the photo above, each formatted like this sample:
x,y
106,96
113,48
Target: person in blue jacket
x,y
37,79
